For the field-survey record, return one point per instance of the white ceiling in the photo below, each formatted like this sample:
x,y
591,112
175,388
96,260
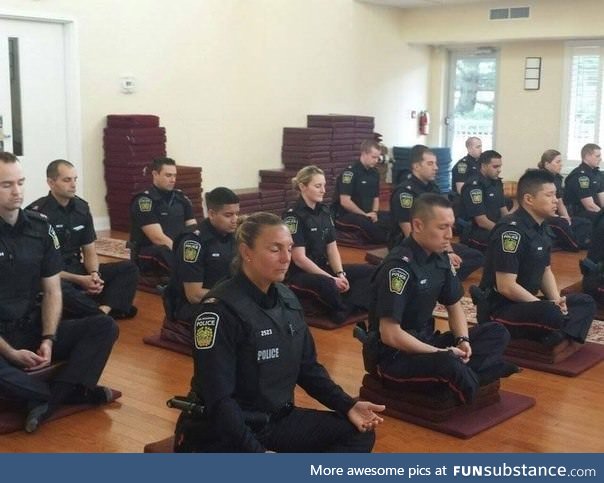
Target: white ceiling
x,y
423,3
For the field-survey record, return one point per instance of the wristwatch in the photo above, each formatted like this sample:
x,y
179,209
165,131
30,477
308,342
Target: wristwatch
x,y
460,339
341,272
51,337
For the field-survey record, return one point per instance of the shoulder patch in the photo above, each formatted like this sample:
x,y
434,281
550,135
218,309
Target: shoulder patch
x,y
145,204
206,326
406,200
347,177
292,224
190,252
476,196
584,182
397,280
510,241
462,168
55,238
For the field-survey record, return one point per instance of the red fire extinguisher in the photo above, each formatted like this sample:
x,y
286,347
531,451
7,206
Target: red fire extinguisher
x,y
424,123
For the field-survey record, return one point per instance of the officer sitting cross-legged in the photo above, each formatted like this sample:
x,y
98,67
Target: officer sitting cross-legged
x,y
31,333
357,196
518,267
89,287
420,180
317,268
413,277
482,201
252,347
203,257
159,215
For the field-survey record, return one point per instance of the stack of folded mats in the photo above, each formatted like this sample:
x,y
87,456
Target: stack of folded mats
x,y
305,146
130,142
188,179
249,200
279,180
347,133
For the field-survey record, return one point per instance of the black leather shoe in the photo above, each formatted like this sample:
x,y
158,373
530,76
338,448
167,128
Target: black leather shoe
x,y
120,314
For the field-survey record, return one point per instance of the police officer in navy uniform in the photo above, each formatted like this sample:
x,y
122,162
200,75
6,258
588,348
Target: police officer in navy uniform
x,y
483,201
89,287
159,215
467,166
413,277
317,269
421,180
252,347
584,188
518,266
570,234
593,267
357,196
203,257
31,335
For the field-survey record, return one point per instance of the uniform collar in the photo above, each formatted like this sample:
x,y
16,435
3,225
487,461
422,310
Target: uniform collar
x,y
264,300
484,180
162,193
22,220
213,231
587,167
419,254
428,186
527,220
53,204
362,166
470,159
302,205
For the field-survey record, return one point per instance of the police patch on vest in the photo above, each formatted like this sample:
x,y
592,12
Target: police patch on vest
x,y
510,241
55,238
462,168
191,250
476,196
584,182
145,204
397,280
406,200
206,326
347,177
292,224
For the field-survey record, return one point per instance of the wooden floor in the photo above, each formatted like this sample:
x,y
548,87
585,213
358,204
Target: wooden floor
x,y
568,415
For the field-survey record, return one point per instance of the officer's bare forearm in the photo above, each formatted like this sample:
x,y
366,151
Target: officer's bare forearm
x,y
393,336
457,320
5,348
334,258
91,260
508,287
195,291
405,227
51,304
349,205
376,204
549,286
307,265
562,211
483,222
590,205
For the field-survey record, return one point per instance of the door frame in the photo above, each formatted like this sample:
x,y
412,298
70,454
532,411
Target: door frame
x,y
73,105
453,54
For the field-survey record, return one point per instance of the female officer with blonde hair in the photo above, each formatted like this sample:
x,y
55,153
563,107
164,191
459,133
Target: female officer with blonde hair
x,y
252,347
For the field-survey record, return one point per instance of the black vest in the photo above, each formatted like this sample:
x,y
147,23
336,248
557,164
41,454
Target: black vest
x,y
270,384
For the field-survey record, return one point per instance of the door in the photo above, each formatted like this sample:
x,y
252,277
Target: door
x,y
472,99
33,110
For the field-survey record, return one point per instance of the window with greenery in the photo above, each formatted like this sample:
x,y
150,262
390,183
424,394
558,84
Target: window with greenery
x,y
583,120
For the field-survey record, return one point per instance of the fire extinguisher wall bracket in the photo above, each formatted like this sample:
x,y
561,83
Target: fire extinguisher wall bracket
x,y
424,123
